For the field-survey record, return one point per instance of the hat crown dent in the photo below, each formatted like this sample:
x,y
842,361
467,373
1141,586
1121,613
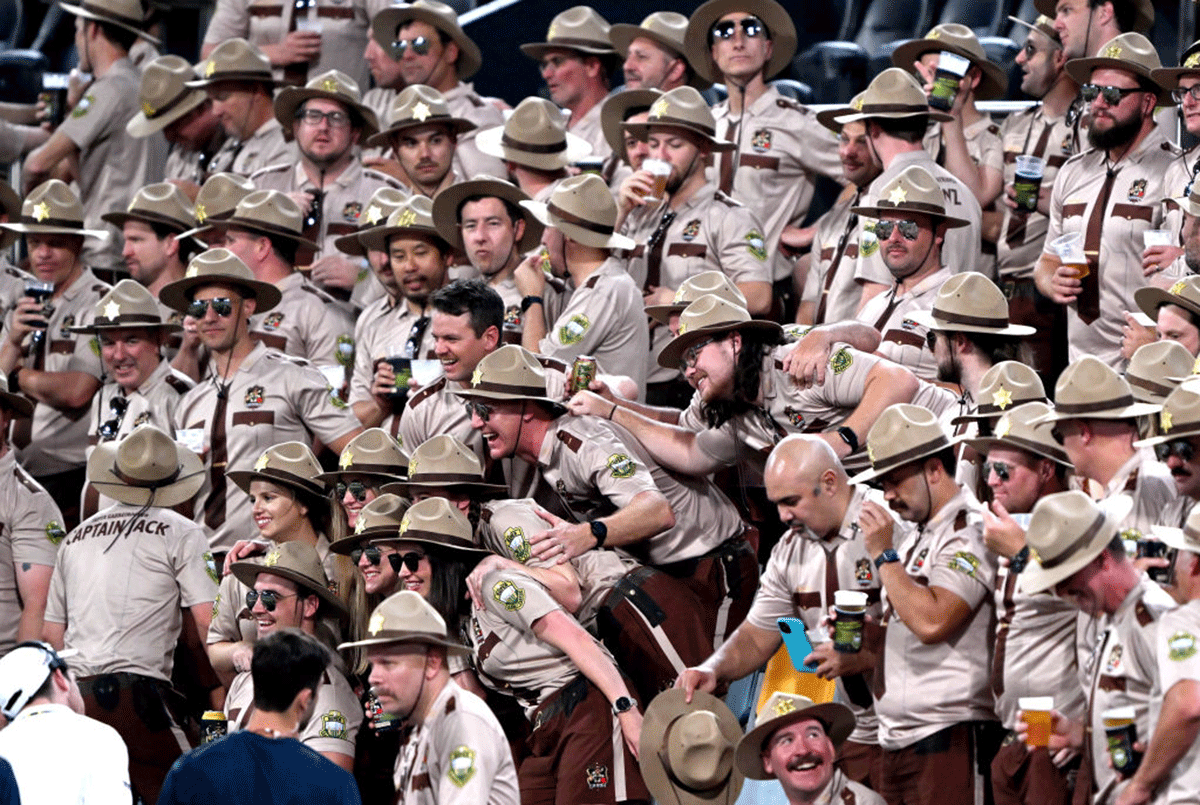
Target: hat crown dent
x,y
444,454
959,35
407,611
129,297
1090,380
716,283
372,446
1160,360
147,456
417,103
219,263
579,23
586,196
298,558
699,753
273,208
236,55
911,187
970,293
900,428
221,193
163,81
385,511
439,516
1182,406
1057,524
1021,423
165,199
711,310
510,365
536,121
684,104
292,458
1022,383
894,86
53,199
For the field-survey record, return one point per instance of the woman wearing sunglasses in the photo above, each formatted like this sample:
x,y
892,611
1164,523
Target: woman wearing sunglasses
x,y
370,460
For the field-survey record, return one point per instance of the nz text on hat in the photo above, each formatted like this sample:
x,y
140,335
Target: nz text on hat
x,y
912,190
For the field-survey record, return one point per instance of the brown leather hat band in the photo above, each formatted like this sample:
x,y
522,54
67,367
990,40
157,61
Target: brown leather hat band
x,y
1083,539
509,388
534,148
571,218
1148,385
1095,407
61,222
171,104
128,320
445,478
891,108
963,318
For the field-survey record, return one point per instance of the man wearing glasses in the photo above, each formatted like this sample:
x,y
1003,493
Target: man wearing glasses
x,y
1178,446
1109,196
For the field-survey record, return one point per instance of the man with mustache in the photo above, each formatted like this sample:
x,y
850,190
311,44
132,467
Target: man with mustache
x,y
422,134
1179,448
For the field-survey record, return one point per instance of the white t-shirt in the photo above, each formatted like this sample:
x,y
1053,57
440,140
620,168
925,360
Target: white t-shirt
x,y
40,738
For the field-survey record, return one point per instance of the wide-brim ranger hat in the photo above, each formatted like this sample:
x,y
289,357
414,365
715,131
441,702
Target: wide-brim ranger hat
x,y
579,28
297,562
383,202
147,467
583,209
1004,386
698,43
418,105
439,523
22,406
414,216
386,23
234,60
127,304
683,109
535,136
217,200
668,29
374,453
406,617
902,434
694,287
127,14
970,303
686,750
1185,293
510,373
446,206
161,203
1131,52
1066,532
52,208
332,85
1024,429
163,95
1189,63
1141,23
1091,389
912,190
218,267
788,708
829,117
380,518
617,108
290,464
1183,539
268,212
710,315
1157,368
444,461
1179,417
1043,24
894,94
960,40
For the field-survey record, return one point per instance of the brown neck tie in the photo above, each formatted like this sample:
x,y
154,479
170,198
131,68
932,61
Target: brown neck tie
x,y
729,158
839,253
1006,618
1089,297
891,307
655,250
1015,234
214,507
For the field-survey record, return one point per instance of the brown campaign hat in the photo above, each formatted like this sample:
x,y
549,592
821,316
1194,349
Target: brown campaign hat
x,y
295,561
912,190
1068,530
162,203
829,117
894,94
694,287
443,461
332,85
383,202
682,109
1023,427
1090,389
686,750
578,28
406,617
1189,63
1179,417
535,136
902,434
147,467
619,107
127,304
22,406
234,60
418,105
970,303
447,203
381,517
1005,385
781,710
1183,539
1156,369
1141,23
1185,294
438,522
218,267
1131,52
414,216
217,200
509,373
960,40
375,453
698,39
665,28
268,212
707,316
291,464
386,24
1044,25
163,95
127,14
52,208
583,209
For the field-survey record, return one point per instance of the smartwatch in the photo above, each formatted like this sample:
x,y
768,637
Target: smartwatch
x,y
887,556
849,437
599,531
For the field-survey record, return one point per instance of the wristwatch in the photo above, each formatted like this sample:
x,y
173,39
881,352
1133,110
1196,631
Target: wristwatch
x,y
599,531
849,437
623,704
529,301
887,556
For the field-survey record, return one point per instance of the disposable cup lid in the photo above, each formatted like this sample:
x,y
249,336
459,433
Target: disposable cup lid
x,y
849,598
1041,703
1116,713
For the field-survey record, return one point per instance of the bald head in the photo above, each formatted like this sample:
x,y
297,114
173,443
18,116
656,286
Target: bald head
x,y
807,483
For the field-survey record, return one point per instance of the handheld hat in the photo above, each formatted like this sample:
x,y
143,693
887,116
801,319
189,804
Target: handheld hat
x,y
374,453
1090,389
1156,369
902,434
386,26
970,303
682,109
1024,429
781,710
709,315
163,95
1141,23
382,203
1044,25
698,39
297,562
162,203
127,304
52,208
24,670
437,522
1066,532
380,518
510,373
1185,294
1179,417
269,212
894,94
127,14
218,267
960,40
619,107
448,203
418,105
686,751
414,216
443,461
1183,539
1005,385
694,287
217,200
234,60
332,85
534,136
829,117
912,190
21,406
578,28
406,617
1189,63
291,464
1131,52
667,29
583,209
147,467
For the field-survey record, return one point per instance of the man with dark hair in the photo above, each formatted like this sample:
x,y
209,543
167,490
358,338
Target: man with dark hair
x,y
286,668
155,254
1085,25
422,136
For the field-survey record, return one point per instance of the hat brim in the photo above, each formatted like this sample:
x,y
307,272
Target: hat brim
x,y
21,406
889,463
376,238
622,34
614,111
1031,27
1174,538
491,142
1035,578
666,708
385,23
43,229
432,540
537,50
896,114
456,649
1185,204
671,354
509,396
1178,431
233,75
176,296
597,240
119,219
642,131
1168,77
243,479
101,472
96,329
878,212
1149,299
925,318
663,313
838,720
141,126
402,488
993,81
334,476
983,444
247,571
457,124
289,100
79,11
776,18
1081,71
1123,412
828,117
447,202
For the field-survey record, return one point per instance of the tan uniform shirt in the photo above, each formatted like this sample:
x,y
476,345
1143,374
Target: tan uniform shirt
x,y
983,138
837,233
120,590
12,287
469,161
457,756
588,127
196,166
59,438
30,533
336,713
1178,182
927,688
383,330
1149,483
782,149
265,147
903,340
307,323
1134,205
272,398
1176,660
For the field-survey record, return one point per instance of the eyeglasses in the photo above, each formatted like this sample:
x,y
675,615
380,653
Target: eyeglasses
x,y
999,467
269,598
336,119
1183,449
1112,95
481,410
690,355
359,490
930,339
222,306
118,406
420,46
908,229
752,27
1179,93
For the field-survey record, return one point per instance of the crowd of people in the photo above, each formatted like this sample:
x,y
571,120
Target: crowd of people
x,y
393,445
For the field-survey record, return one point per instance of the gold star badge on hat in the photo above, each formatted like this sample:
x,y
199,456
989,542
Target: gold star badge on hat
x,y
376,624
272,558
1002,398
784,706
404,524
346,460
683,328
1196,367
112,309
1165,420
1193,60
1004,426
857,104
659,108
373,214
421,111
476,377
200,213
934,34
330,84
412,467
898,195
1112,52
361,525
870,453
552,30
1177,287
210,69
262,462
407,218
148,109
41,211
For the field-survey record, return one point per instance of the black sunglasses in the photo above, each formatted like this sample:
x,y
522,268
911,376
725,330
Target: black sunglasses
x,y
481,410
419,44
931,339
1182,448
222,306
118,406
359,490
908,229
752,27
998,467
269,598
1112,95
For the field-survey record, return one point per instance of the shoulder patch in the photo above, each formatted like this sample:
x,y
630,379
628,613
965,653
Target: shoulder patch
x,y
333,725
572,332
55,532
621,465
461,767
841,360
508,594
756,244
518,543
210,565
1181,646
966,563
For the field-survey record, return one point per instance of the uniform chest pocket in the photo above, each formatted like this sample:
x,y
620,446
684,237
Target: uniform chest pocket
x,y
1071,210
1132,212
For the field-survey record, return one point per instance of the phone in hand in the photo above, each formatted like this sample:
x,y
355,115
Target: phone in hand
x,y
795,638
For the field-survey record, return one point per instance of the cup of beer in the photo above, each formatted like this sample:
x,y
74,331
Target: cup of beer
x,y
950,70
660,171
1035,712
1157,237
851,609
1028,181
1069,248
1120,730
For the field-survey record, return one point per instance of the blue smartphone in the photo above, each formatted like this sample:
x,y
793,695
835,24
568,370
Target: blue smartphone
x,y
795,637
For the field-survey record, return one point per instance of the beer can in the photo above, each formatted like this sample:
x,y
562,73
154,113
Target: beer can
x,y
377,720
583,372
213,725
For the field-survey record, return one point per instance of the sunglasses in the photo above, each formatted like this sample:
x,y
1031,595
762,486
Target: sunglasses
x,y
420,46
692,353
118,406
222,306
313,117
908,229
1058,434
999,467
269,598
359,490
1112,95
752,27
1179,93
481,410
930,339
1183,449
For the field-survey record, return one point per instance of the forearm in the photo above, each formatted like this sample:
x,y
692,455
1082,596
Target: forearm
x,y
33,585
1177,729
369,413
744,652
886,385
758,297
959,162
862,337
564,633
220,655
671,446
54,633
62,390
1043,273
931,613
533,327
667,416
647,514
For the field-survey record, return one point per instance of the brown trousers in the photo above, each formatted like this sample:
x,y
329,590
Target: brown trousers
x,y
1021,776
950,766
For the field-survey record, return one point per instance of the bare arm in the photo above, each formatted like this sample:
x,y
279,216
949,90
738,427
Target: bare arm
x,y
61,390
647,514
671,446
54,633
1055,280
1177,729
745,651
339,444
559,580
887,384
228,658
44,159
758,297
33,585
